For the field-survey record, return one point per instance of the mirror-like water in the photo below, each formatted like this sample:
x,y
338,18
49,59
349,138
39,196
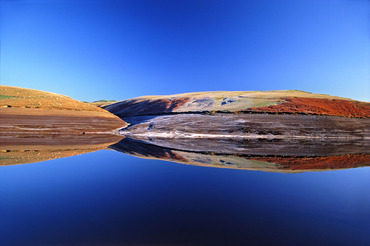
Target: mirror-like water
x,y
109,198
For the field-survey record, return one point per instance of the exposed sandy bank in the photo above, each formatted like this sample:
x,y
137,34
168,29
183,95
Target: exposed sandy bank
x,y
43,121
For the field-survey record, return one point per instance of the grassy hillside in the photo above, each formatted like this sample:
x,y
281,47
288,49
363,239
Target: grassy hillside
x,y
102,103
37,112
14,97
250,94
281,101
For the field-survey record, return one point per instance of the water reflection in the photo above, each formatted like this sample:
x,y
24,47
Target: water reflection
x,y
258,154
29,148
109,198
263,155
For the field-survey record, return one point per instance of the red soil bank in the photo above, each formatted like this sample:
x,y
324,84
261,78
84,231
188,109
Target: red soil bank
x,y
171,105
320,107
326,162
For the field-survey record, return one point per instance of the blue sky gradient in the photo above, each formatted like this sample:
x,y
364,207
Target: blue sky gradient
x,y
91,50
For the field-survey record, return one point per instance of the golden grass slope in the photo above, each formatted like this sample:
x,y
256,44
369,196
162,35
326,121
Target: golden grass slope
x,y
249,94
37,112
102,103
15,97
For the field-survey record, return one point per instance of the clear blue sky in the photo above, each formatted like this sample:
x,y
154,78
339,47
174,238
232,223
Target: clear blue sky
x,y
91,50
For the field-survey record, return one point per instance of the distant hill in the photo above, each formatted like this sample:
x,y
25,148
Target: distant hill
x,y
280,101
102,103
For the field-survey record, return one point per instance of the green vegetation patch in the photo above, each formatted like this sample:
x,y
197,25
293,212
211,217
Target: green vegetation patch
x,y
5,97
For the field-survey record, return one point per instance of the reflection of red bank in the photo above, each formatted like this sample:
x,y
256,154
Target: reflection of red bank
x,y
321,162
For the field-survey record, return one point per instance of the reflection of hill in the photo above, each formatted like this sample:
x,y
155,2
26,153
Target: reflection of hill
x,y
319,162
305,158
21,149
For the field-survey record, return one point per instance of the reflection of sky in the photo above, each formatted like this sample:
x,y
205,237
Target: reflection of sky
x,y
107,196
122,49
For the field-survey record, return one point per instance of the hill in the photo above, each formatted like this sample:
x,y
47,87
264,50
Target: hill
x,y
282,101
15,97
102,103
30,111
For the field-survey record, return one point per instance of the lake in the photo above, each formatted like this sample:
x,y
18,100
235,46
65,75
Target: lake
x,y
110,198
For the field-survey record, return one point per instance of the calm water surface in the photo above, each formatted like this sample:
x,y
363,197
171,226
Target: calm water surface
x,y
109,198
